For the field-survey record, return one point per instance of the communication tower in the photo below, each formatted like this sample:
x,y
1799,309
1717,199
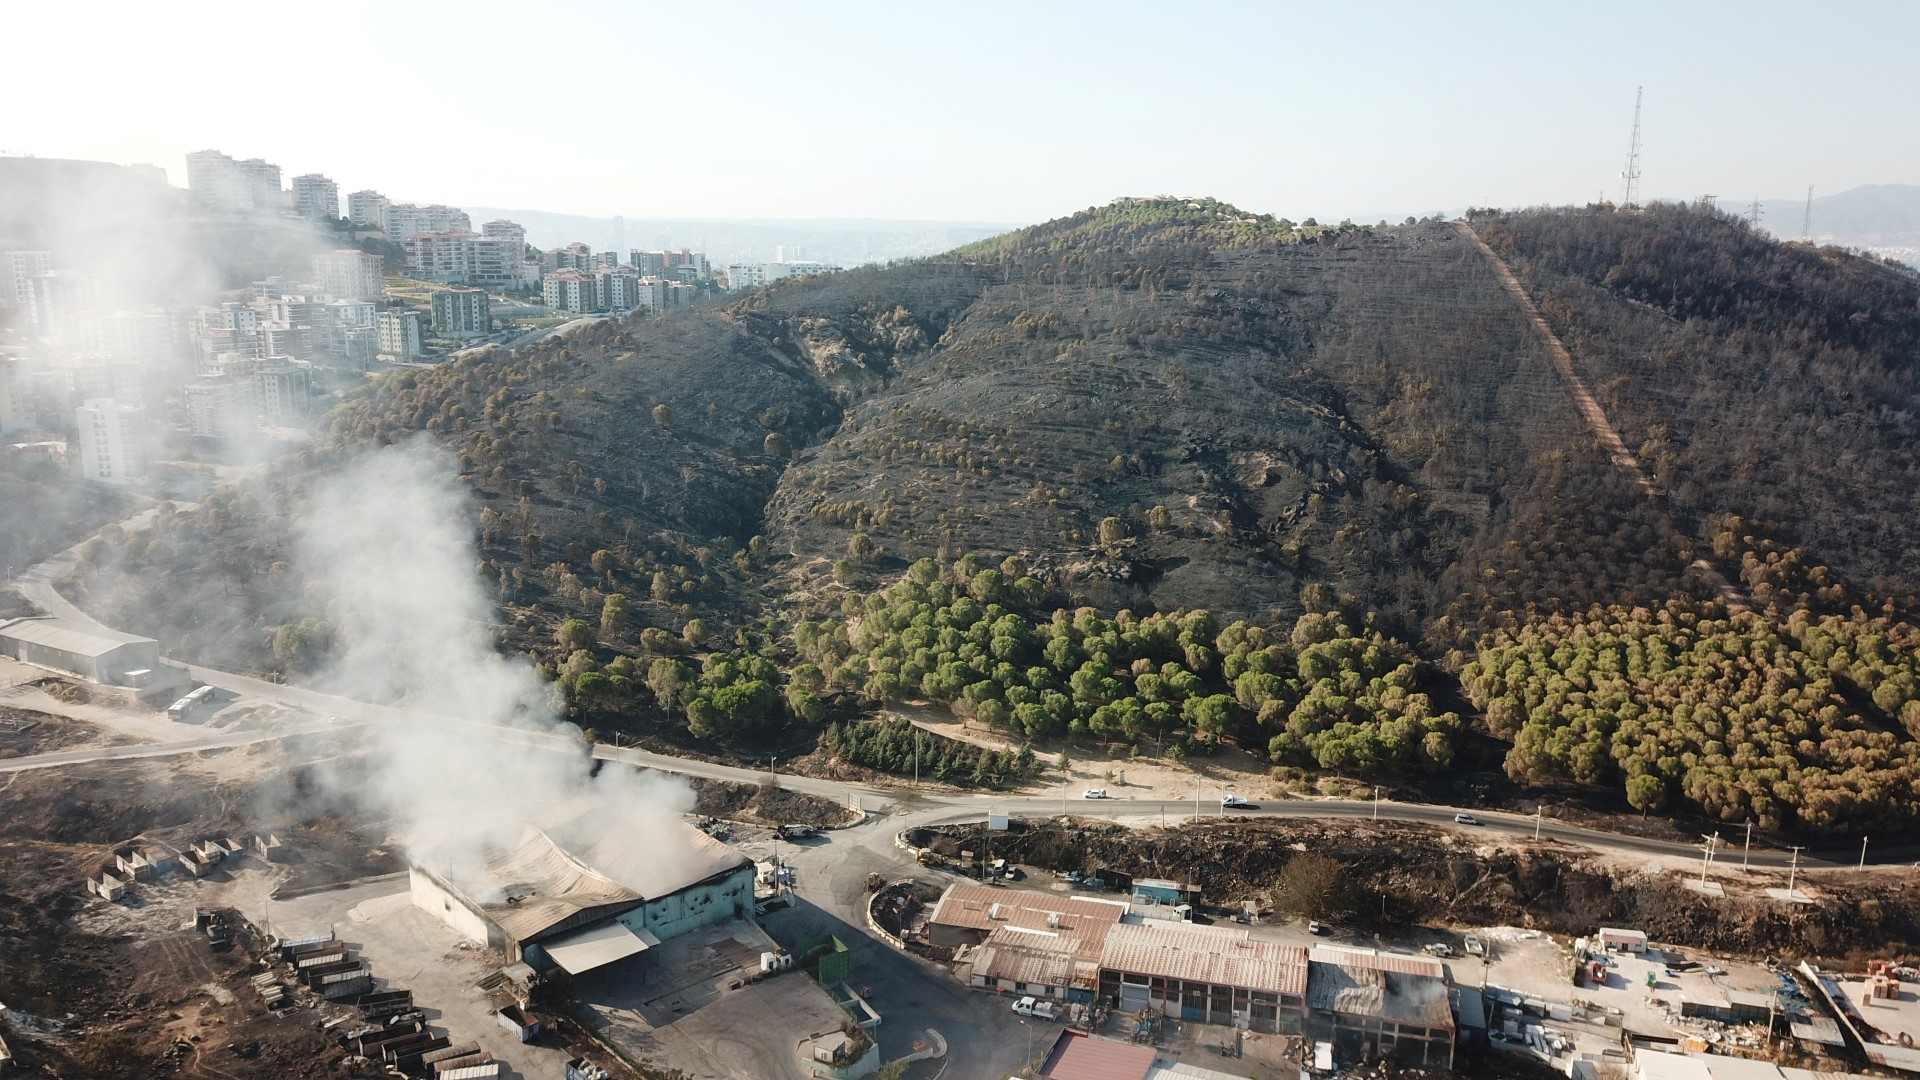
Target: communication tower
x,y
1630,176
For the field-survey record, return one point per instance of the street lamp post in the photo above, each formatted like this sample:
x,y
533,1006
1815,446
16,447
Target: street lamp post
x,y
1863,853
1376,802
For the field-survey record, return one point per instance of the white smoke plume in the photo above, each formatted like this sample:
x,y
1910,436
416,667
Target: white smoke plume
x,y
391,539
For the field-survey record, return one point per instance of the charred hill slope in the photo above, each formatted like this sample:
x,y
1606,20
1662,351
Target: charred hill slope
x,y
1162,403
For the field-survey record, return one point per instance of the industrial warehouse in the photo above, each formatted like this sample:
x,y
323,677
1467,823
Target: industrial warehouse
x,y
96,653
1363,1004
568,908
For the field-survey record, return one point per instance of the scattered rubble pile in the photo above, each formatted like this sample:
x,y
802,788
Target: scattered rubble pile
x,y
1401,873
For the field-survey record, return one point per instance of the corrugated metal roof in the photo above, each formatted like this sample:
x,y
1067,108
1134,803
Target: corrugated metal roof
x,y
68,637
1014,954
1215,955
1375,960
1088,1057
607,867
982,907
1371,990
598,946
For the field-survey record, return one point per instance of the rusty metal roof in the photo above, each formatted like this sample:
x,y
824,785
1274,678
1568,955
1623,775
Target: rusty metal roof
x,y
1015,954
1215,955
982,907
1391,986
1089,1057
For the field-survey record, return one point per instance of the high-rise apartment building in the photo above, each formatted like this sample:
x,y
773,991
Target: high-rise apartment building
x,y
350,275
570,290
462,313
63,306
220,183
407,219
399,334
283,389
113,441
13,405
17,271
500,227
368,209
461,258
315,196
220,406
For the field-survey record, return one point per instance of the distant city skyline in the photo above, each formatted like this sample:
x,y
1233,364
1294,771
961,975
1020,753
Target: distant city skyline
x,y
994,112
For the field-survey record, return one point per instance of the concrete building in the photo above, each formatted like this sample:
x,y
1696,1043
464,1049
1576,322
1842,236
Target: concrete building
x,y
96,653
72,381
754,275
409,219
1374,1006
1076,1055
17,271
570,290
62,302
462,313
659,295
574,256
220,407
231,328
461,258
15,416
220,183
113,441
347,274
569,893
1212,975
315,196
502,229
616,288
283,391
399,334
367,209
153,336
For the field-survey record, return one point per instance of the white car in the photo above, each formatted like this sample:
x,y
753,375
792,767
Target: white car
x,y
1095,793
1465,819
1232,800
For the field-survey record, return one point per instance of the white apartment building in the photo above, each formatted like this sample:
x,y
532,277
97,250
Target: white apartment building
x,y
315,196
350,274
230,328
113,442
754,275
13,405
408,219
399,334
17,271
220,183
283,390
148,335
221,407
367,209
72,381
62,302
616,288
461,258
504,229
570,290
659,295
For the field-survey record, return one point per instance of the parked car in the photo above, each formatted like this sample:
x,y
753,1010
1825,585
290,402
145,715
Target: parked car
x,y
797,832
1032,1006
1473,945
1438,948
1465,819
1227,801
1095,793
1316,927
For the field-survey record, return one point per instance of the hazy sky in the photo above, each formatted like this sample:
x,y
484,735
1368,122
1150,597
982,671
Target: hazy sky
x,y
982,111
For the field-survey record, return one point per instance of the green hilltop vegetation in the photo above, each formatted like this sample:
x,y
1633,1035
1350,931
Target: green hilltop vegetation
x,y
1167,477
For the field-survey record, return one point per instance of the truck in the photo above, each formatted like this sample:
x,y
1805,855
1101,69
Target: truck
x,y
1033,1006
